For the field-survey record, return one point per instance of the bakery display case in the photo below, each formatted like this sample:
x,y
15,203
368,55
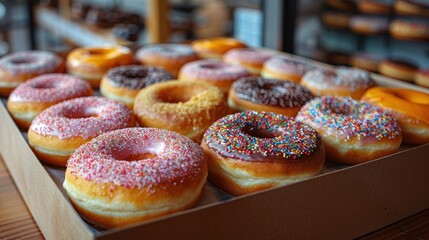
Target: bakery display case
x,y
341,194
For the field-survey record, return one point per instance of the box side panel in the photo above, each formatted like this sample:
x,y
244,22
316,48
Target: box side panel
x,y
345,204
52,212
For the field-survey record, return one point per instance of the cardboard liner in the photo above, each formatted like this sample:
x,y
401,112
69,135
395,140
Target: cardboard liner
x,y
342,202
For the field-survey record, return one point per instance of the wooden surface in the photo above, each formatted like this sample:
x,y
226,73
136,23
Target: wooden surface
x,y
15,220
157,21
17,223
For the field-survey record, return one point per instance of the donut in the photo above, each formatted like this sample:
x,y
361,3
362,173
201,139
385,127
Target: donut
x,y
353,132
342,81
336,20
286,68
214,72
215,47
18,67
409,30
338,58
249,58
375,6
32,97
251,151
369,24
399,69
365,61
268,95
346,5
169,56
422,78
91,63
409,107
185,107
130,175
412,7
124,82
60,129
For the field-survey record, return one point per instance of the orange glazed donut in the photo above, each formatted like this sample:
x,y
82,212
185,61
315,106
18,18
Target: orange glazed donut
x,y
409,107
123,83
91,63
336,20
412,7
214,72
398,69
215,47
375,6
171,57
18,67
268,95
131,175
342,81
286,68
251,59
59,130
185,107
353,132
32,97
251,151
422,78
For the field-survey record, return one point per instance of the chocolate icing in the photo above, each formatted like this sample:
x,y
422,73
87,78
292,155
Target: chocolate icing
x,y
137,76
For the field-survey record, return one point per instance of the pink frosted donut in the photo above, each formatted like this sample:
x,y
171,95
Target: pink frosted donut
x,y
18,67
213,72
342,81
57,131
249,58
32,97
130,175
286,68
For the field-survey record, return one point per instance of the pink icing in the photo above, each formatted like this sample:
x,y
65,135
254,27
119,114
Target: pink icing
x,y
255,56
30,61
175,158
213,70
50,88
86,117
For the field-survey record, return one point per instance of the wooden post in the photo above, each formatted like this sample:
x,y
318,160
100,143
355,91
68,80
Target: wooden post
x,y
157,21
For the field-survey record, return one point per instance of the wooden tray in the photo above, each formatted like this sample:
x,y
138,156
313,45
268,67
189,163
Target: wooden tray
x,y
343,202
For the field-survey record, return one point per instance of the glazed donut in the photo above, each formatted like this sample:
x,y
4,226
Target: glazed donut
x,y
399,69
215,47
286,68
336,20
91,63
342,81
366,61
338,58
409,107
375,6
268,95
131,175
124,82
32,97
251,151
18,67
369,24
422,78
214,72
409,30
250,59
185,107
353,132
169,56
59,130
412,7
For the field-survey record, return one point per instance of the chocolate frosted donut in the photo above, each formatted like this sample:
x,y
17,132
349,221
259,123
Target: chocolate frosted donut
x,y
124,82
270,95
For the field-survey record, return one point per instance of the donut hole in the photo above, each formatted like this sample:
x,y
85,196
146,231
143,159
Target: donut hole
x,y
212,66
178,94
98,51
81,113
47,85
20,61
260,133
137,156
